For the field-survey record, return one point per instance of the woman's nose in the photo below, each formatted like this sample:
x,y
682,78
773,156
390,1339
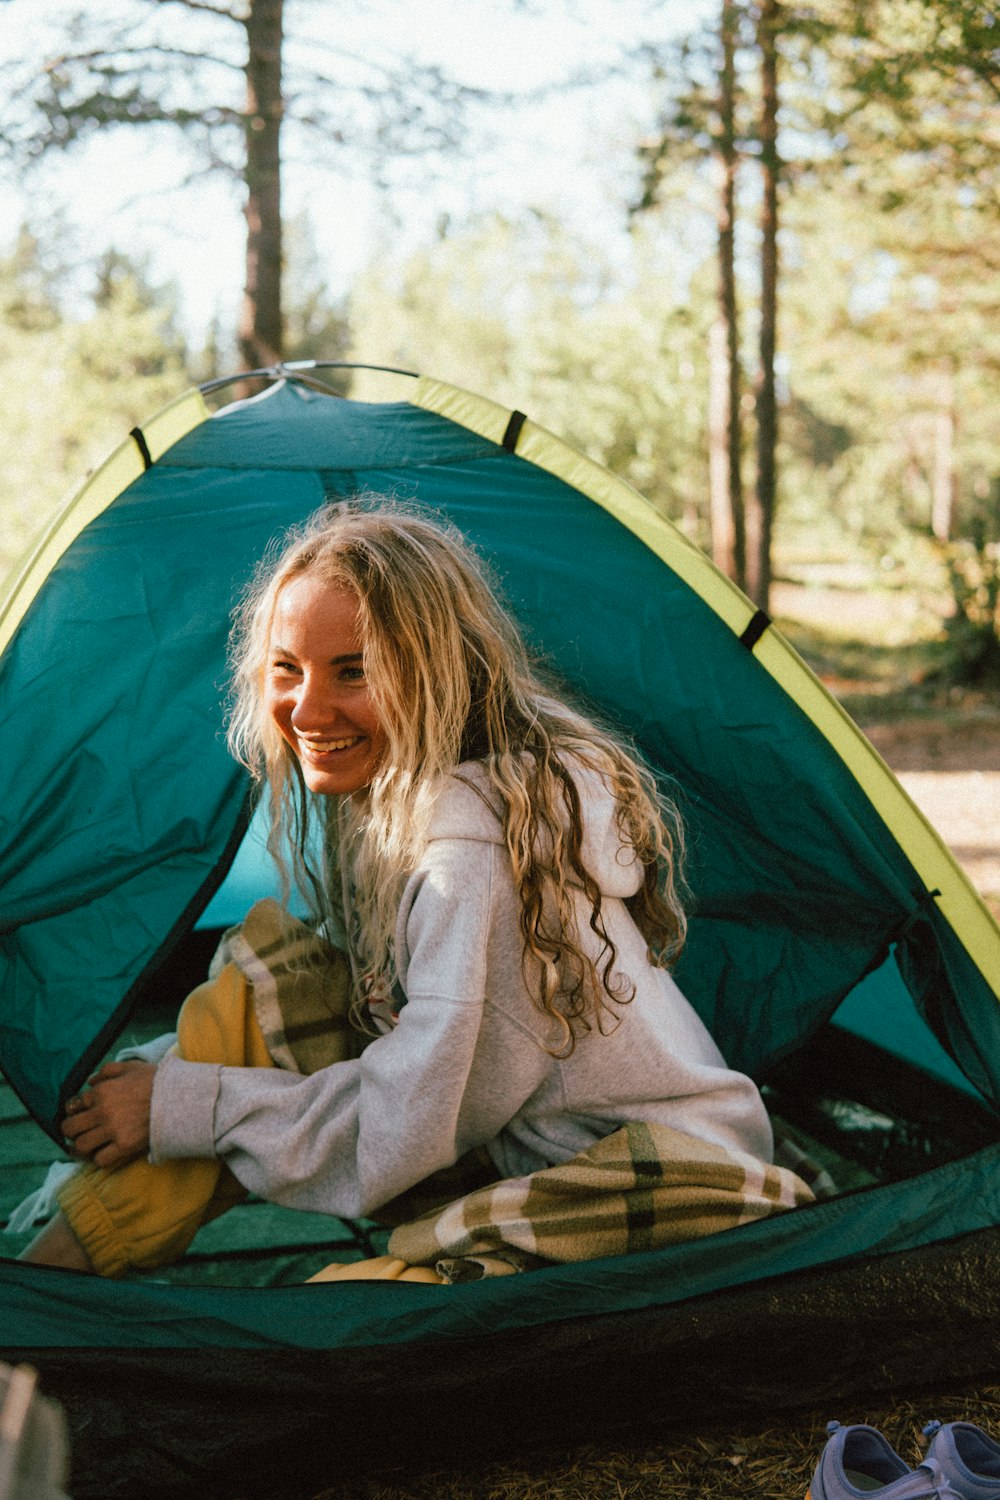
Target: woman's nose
x,y
315,706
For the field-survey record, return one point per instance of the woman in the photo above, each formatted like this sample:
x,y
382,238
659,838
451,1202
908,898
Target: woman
x,y
502,875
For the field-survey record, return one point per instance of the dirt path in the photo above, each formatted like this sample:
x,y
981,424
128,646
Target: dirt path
x,y
953,775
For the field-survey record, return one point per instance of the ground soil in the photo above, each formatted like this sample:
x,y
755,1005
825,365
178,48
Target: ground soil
x,y
952,772
942,740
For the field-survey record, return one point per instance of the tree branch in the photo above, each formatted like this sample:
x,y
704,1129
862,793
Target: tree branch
x,y
216,167
103,54
401,72
208,8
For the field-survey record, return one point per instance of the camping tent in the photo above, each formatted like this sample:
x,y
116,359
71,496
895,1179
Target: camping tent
x,y
831,932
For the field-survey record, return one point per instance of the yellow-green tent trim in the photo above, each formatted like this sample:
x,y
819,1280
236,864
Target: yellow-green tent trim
x,y
937,867
89,499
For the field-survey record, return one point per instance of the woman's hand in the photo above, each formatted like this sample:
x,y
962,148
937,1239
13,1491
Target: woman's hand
x,y
108,1122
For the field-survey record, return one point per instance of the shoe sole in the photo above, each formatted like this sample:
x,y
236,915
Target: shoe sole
x,y
861,1482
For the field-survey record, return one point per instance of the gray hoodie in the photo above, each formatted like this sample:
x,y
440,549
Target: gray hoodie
x,y
467,1064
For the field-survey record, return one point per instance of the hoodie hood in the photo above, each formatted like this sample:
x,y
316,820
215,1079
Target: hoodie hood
x,y
468,808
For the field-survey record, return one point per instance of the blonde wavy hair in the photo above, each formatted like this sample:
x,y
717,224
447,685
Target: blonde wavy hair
x,y
451,681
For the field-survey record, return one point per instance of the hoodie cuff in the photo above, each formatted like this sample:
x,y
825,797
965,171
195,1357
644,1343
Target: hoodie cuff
x,y
182,1117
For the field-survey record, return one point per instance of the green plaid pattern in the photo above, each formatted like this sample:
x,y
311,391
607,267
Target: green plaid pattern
x,y
641,1188
301,988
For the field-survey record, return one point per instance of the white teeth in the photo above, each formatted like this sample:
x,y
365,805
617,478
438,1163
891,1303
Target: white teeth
x,y
322,747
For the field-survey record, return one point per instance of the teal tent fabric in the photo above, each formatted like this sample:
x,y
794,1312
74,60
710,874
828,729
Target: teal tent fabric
x,y
47,1308
123,808
123,813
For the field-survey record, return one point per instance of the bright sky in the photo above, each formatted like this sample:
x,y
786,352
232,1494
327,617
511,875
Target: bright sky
x,y
572,155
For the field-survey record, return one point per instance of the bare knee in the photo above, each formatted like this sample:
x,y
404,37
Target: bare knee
x,y
57,1245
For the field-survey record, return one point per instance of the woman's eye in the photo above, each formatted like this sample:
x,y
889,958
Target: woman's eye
x,y
283,667
352,674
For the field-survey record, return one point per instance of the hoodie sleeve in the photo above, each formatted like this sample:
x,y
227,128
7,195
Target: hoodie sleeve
x,y
350,1137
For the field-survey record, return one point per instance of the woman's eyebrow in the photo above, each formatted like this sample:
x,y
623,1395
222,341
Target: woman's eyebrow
x,y
335,661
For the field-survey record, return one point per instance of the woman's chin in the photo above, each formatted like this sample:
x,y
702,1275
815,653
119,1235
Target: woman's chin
x,y
336,781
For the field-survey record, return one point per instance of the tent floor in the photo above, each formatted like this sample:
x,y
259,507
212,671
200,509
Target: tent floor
x,y
248,1423
858,1111
242,1422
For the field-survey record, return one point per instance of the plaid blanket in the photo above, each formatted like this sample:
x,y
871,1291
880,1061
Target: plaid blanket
x,y
641,1188
301,988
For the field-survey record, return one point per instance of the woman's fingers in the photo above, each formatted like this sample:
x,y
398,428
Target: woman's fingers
x,y
80,1117
109,1122
116,1070
98,1147
84,1127
86,1139
112,1155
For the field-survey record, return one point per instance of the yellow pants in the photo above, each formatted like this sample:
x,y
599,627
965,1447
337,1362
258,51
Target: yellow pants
x,y
140,1216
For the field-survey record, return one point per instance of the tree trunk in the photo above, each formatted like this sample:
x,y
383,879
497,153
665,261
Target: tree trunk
x,y
720,511
725,436
261,330
943,487
759,554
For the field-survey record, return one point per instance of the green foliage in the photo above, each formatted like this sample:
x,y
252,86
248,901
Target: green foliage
x,y
123,71
612,358
448,310
891,302
889,309
974,629
73,384
889,322
973,565
316,323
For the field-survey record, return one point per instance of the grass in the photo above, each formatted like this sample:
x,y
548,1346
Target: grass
x,y
872,668
873,680
771,1460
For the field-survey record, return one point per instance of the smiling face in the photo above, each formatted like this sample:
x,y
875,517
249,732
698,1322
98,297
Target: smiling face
x,y
316,692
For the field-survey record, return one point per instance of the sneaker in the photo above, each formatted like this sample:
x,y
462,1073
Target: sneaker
x,y
34,1454
858,1461
969,1458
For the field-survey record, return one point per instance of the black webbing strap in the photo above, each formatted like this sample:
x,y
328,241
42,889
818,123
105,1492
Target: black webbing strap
x,y
143,447
755,629
510,437
924,903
